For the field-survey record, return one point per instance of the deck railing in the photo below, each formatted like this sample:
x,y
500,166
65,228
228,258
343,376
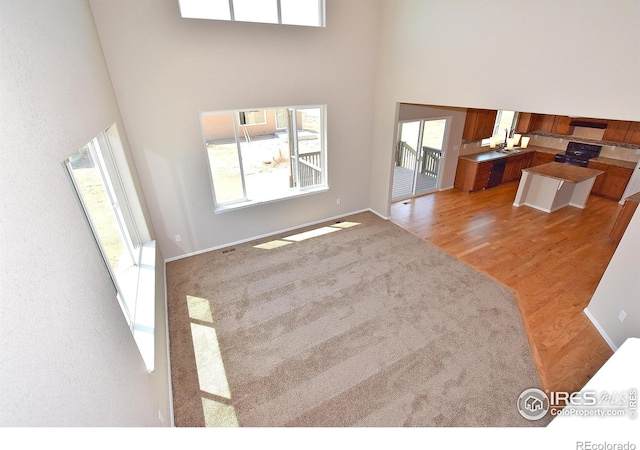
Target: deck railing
x,y
309,169
405,156
431,158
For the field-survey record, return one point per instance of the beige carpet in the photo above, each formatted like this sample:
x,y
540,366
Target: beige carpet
x,y
367,325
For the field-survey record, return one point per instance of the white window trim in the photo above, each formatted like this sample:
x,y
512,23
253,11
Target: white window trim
x,y
294,193
321,14
139,280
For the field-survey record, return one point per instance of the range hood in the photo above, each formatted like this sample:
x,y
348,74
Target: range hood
x,y
587,123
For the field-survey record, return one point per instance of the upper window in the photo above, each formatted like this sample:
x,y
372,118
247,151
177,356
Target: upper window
x,y
286,12
282,156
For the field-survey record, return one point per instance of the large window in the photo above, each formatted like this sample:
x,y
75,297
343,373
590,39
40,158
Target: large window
x,y
129,261
283,155
285,12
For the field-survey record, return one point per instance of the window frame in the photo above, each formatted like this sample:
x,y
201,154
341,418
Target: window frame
x,y
294,192
135,285
184,13
487,141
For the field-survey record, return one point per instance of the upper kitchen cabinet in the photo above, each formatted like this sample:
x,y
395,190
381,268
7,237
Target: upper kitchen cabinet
x,y
541,122
479,124
546,123
562,125
616,130
633,134
524,122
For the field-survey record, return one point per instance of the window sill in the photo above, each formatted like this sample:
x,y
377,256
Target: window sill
x,y
143,327
241,205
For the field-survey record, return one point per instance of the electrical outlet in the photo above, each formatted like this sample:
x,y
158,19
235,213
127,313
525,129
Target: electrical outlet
x,y
161,417
622,315
613,148
337,201
178,238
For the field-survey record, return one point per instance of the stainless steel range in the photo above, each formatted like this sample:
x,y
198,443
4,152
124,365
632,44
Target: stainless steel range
x,y
578,154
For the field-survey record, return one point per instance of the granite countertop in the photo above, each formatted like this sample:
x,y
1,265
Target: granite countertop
x,y
615,162
564,172
492,155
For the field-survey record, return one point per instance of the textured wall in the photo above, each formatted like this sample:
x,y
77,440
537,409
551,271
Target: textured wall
x,y
68,357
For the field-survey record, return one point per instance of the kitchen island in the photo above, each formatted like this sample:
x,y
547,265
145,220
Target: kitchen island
x,y
549,187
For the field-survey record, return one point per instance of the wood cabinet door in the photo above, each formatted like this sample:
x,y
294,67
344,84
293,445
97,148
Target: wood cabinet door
x,y
470,125
616,130
600,179
615,182
479,124
482,175
542,122
542,158
527,160
561,125
524,123
633,133
486,125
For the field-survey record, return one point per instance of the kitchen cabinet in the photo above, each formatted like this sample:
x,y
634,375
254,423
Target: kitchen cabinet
x,y
542,122
486,170
479,124
561,125
613,182
542,158
472,175
524,123
633,134
616,130
515,164
624,217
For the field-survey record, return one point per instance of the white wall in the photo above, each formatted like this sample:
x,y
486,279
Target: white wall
x,y
67,355
166,69
619,290
563,57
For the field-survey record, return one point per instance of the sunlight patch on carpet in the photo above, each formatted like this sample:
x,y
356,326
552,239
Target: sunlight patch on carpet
x,y
272,244
199,309
311,234
218,414
211,374
345,224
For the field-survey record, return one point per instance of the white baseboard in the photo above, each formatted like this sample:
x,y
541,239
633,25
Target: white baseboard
x,y
378,214
285,230
604,335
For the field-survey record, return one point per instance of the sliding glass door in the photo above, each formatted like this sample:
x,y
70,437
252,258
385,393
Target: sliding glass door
x,y
419,152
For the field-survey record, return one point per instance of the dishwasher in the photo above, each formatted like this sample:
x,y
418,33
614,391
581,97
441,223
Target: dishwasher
x,y
497,170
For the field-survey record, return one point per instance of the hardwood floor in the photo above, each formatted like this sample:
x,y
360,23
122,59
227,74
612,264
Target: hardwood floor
x,y
553,262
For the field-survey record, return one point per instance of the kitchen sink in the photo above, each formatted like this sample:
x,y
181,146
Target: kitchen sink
x,y
515,150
